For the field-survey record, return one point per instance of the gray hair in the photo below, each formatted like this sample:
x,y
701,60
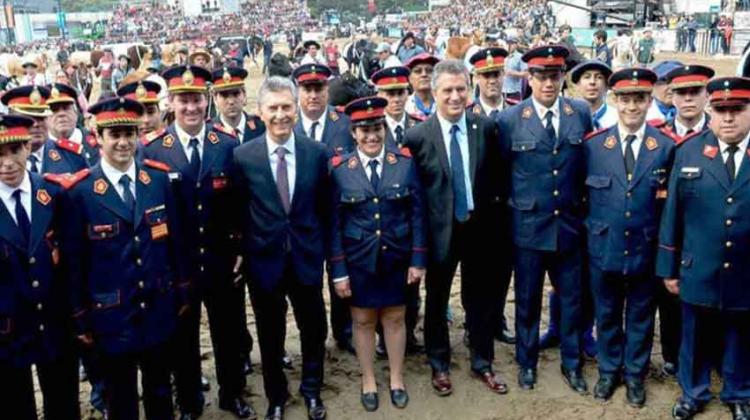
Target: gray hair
x,y
276,84
452,67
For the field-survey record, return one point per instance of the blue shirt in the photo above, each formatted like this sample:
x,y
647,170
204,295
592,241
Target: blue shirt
x,y
405,54
463,144
512,84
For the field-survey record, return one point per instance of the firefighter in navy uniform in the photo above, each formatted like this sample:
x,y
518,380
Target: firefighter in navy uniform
x,y
127,282
628,167
488,65
688,86
47,156
229,95
392,84
35,324
147,93
65,114
702,256
200,157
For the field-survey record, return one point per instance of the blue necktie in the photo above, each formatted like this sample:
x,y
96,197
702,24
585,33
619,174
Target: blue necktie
x,y
374,178
550,128
460,203
22,218
127,195
195,158
493,114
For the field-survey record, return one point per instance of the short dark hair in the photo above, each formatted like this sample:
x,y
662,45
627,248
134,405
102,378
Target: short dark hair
x,y
601,34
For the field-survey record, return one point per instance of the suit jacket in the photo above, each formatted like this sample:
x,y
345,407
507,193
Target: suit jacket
x,y
336,133
125,269
207,207
34,309
271,237
623,215
705,230
254,127
488,179
547,187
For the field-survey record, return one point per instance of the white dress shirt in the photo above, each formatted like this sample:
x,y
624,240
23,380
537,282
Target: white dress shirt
x,y
240,128
307,125
488,109
636,143
463,144
6,194
114,175
541,112
185,141
682,129
366,163
738,155
290,157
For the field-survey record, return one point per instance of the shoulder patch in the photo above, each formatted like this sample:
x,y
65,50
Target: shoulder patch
x,y
334,116
527,113
418,117
594,133
155,164
336,161
657,123
476,109
567,109
168,141
223,129
405,152
150,137
67,181
213,138
671,134
91,140
683,140
70,146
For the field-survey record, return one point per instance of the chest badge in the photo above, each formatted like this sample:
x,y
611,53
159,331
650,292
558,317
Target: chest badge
x,y
144,177
213,138
651,143
526,114
43,197
352,163
100,186
168,141
391,158
710,151
54,155
610,142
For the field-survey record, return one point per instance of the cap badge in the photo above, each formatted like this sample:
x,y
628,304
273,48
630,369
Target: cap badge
x,y
140,91
55,93
35,97
226,77
188,77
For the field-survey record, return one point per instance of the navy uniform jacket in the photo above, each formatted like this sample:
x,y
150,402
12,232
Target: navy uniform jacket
x,y
368,225
91,148
62,157
623,215
269,234
254,127
477,109
126,271
206,206
34,309
705,228
547,189
668,127
390,138
336,133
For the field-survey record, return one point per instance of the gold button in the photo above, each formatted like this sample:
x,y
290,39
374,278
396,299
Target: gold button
x,y
41,327
554,152
32,260
375,200
556,212
39,306
103,235
730,200
200,230
143,305
203,268
555,172
727,265
729,244
628,194
377,216
729,222
682,262
35,284
141,285
99,305
398,195
139,261
556,193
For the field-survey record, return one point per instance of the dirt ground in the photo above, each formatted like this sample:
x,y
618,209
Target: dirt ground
x,y
551,399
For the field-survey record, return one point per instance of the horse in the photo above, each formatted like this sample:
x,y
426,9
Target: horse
x,y
139,55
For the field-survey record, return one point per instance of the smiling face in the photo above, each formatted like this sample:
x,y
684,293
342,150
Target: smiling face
x,y
451,93
279,113
13,163
632,109
189,110
369,138
118,145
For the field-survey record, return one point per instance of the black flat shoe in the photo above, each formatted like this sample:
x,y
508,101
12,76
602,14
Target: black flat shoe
x,y
575,380
399,398
505,336
275,412
527,379
315,409
683,410
369,401
605,387
238,407
636,395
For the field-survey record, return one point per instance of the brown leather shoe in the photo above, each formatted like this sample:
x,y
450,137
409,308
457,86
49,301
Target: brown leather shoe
x,y
441,383
493,382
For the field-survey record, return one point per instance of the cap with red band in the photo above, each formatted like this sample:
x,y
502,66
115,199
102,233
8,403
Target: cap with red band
x,y
728,91
28,100
632,80
488,60
186,79
311,73
689,76
144,91
422,58
366,111
60,93
391,78
550,57
14,129
117,112
228,78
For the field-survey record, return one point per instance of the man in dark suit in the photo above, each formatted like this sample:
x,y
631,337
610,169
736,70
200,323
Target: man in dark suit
x,y
544,136
460,167
628,167
702,254
283,183
324,124
200,160
35,325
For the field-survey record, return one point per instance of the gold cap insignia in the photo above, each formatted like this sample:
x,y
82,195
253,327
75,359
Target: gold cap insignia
x,y
227,77
188,77
35,97
55,93
140,91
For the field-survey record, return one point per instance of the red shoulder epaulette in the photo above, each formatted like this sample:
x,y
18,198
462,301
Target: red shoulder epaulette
x,y
336,161
91,140
682,140
671,134
155,164
657,123
70,146
148,138
340,109
595,132
405,152
67,181
225,130
418,117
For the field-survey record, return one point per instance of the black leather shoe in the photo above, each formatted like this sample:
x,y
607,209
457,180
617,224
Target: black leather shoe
x,y
238,407
275,412
527,379
683,410
315,409
575,380
605,387
286,361
504,335
669,370
636,395
369,400
399,398
740,411
346,345
205,384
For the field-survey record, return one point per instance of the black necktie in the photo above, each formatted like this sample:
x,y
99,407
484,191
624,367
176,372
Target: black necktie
x,y
460,202
34,164
399,135
195,158
629,155
314,130
493,114
22,218
127,195
550,128
282,179
731,168
689,132
374,178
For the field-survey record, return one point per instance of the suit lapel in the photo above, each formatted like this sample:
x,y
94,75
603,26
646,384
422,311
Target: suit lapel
x,y
41,214
299,128
436,137
615,159
743,174
533,124
472,137
259,156
715,164
142,195
645,156
175,154
210,151
566,121
10,231
110,199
